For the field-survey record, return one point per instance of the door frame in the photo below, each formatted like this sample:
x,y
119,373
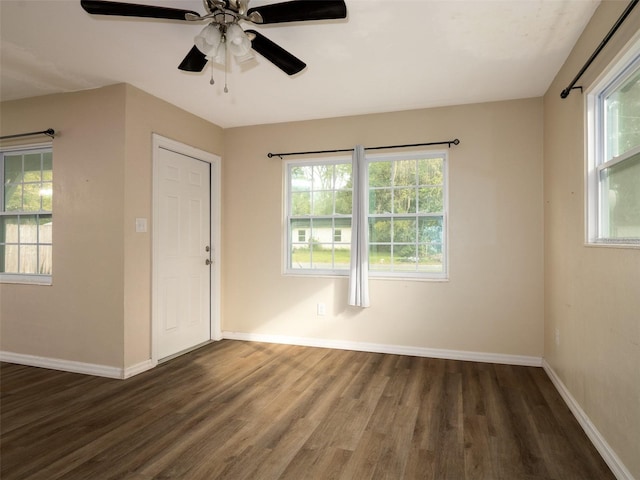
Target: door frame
x,y
160,142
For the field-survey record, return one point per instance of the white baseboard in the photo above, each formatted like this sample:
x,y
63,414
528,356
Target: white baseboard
x,y
138,368
612,460
75,367
391,349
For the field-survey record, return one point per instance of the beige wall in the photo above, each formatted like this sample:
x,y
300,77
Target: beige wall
x,y
591,293
79,317
493,300
98,308
145,115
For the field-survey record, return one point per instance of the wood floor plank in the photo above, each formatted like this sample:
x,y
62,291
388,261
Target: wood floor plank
x,y
239,410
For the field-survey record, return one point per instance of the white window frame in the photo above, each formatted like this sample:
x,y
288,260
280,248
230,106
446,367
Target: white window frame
x,y
419,275
596,160
288,270
376,274
20,278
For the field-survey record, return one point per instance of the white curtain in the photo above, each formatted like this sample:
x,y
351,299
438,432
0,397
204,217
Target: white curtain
x,y
359,275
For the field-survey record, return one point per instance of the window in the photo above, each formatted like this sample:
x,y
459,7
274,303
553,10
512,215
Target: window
x,y
26,215
319,206
406,216
613,185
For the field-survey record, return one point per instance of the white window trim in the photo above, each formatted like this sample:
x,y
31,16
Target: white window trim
x,y
379,275
628,59
309,272
20,278
421,276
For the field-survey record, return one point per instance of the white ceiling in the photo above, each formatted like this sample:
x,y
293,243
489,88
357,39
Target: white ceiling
x,y
388,55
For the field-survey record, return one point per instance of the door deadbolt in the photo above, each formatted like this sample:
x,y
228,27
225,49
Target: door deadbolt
x,y
207,248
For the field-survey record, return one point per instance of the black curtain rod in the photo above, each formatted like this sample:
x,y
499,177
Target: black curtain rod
x,y
50,132
448,142
565,93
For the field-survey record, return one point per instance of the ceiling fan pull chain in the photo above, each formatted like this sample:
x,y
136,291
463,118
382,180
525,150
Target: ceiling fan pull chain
x,y
226,67
211,82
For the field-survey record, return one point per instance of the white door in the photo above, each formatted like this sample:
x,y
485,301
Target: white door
x,y
183,253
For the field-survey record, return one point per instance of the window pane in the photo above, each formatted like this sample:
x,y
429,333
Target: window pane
x,y
343,202
323,203
430,171
45,229
300,231
45,256
9,258
28,229
12,169
379,230
31,197
430,258
300,256
300,203
344,223
379,257
8,229
301,178
46,194
379,174
343,176
32,167
405,172
380,200
47,166
323,177
621,199
342,257
13,198
404,230
404,258
404,200
430,200
430,230
623,117
322,256
28,259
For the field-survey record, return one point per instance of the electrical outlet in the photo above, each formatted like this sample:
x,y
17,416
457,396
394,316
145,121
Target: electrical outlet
x,y
141,225
321,309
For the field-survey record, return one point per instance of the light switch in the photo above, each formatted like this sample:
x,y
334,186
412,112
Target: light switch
x,y
141,225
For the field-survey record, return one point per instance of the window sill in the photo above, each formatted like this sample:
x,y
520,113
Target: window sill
x,y
11,278
372,276
633,244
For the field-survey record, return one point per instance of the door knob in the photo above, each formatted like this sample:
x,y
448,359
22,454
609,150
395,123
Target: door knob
x,y
208,262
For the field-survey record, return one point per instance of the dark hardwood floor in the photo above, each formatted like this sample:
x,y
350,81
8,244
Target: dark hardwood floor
x,y
238,410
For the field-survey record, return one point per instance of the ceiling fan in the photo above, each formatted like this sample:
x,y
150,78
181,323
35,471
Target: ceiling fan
x,y
223,31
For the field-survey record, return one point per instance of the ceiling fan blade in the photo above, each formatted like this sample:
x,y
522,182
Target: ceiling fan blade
x,y
100,7
300,11
194,61
277,55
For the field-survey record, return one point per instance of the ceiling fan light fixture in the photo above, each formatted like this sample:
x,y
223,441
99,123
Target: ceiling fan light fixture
x,y
221,56
244,58
237,41
208,40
